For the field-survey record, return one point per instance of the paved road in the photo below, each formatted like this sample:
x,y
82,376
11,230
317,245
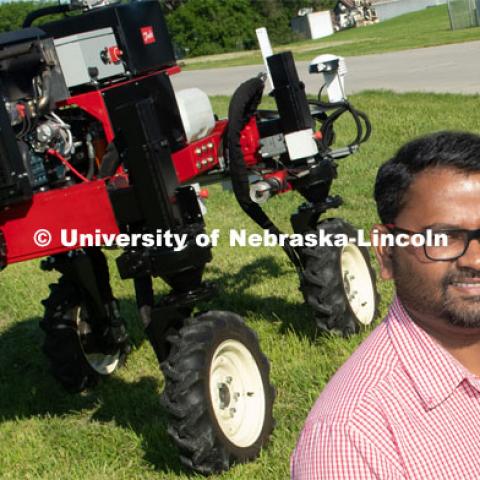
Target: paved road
x,y
449,68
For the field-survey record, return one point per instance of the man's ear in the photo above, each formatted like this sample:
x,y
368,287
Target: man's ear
x,y
383,252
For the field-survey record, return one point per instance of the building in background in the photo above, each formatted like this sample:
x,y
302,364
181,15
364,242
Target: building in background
x,y
357,13
354,13
311,25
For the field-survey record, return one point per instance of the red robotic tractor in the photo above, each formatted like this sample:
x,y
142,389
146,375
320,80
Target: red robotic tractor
x,y
94,139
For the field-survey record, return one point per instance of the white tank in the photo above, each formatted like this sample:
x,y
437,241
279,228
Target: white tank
x,y
196,113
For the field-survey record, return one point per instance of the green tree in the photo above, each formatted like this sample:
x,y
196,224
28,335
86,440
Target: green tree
x,y
277,15
213,26
12,15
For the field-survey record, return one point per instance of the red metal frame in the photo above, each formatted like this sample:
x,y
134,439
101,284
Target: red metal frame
x,y
93,103
85,207
200,156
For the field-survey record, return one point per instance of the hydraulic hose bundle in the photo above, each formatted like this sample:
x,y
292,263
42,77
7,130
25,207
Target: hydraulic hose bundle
x,y
308,159
326,129
243,105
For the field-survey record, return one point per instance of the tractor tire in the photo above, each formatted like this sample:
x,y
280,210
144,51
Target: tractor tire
x,y
338,283
217,392
79,355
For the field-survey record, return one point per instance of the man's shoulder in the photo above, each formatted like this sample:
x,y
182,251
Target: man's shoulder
x,y
356,389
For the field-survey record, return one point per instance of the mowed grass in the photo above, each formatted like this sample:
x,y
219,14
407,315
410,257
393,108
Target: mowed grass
x,y
425,28
118,431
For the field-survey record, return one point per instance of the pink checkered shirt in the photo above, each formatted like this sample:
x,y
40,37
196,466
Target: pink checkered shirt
x,y
400,408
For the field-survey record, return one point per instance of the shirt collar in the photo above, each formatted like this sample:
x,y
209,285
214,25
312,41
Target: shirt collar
x,y
434,373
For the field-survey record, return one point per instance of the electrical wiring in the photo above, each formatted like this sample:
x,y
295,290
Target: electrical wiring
x,y
67,164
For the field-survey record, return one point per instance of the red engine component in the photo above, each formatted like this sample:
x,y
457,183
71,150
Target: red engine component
x,y
250,142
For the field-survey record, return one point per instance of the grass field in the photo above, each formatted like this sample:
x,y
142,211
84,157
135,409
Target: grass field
x,y
426,28
118,430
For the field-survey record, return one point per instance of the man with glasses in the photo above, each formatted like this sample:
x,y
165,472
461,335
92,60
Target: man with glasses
x,y
407,402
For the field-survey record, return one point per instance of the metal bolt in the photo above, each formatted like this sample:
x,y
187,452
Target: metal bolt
x,y
228,379
199,165
232,411
198,151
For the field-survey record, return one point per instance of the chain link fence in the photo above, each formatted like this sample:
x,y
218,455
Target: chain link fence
x,y
464,13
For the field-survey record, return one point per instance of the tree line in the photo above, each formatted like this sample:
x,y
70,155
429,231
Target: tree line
x,y
202,27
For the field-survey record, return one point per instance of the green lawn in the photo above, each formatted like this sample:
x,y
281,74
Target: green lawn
x,y
426,28
118,430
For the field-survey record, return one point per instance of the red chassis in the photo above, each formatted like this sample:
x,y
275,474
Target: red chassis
x,y
86,207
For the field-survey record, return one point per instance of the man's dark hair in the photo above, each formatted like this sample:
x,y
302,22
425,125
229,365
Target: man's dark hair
x,y
458,150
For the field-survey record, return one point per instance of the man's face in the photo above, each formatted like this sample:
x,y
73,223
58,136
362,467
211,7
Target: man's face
x,y
438,198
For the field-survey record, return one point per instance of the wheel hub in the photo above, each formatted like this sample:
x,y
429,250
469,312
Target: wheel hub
x,y
101,362
237,394
357,284
224,396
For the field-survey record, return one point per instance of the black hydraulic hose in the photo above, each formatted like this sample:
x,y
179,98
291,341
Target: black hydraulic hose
x,y
342,107
42,12
368,125
242,107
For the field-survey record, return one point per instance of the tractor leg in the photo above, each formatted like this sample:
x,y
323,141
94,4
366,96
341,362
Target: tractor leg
x,y
85,337
88,270
169,313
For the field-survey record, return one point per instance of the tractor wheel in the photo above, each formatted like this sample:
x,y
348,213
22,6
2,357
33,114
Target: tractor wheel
x,y
339,282
217,392
79,354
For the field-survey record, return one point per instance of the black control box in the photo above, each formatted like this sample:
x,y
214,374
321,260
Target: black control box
x,y
139,28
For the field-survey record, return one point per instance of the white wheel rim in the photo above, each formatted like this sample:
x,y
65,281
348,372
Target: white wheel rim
x,y
102,363
358,284
237,393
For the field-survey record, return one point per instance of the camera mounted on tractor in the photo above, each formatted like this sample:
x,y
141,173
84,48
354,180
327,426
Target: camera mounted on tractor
x,y
94,138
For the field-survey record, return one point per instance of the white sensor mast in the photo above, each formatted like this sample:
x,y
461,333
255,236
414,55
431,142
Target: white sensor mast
x,y
266,49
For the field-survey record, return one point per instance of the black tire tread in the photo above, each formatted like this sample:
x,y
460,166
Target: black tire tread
x,y
62,344
322,285
191,426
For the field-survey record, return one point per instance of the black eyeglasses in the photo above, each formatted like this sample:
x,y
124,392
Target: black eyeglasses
x,y
453,243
